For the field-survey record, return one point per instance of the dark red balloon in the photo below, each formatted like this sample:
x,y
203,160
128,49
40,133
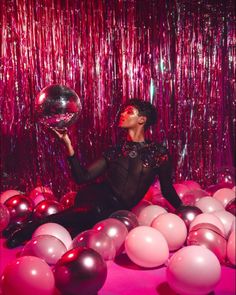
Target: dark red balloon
x,y
80,271
231,207
46,208
20,208
209,236
188,213
128,218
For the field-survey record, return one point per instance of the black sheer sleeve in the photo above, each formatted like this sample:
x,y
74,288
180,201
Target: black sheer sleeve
x,y
167,188
83,175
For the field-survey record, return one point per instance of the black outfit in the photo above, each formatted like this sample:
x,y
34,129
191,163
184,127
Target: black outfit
x,y
130,170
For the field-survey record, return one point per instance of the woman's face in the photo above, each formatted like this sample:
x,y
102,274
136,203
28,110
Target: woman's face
x,y
129,117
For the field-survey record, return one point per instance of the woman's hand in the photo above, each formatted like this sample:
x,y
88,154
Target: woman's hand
x,y
63,135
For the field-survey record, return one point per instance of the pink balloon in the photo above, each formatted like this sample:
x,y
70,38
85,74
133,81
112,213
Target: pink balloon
x,y
28,275
191,197
224,195
55,230
139,207
40,194
192,185
98,241
149,213
227,219
173,229
209,205
208,218
146,247
46,247
231,248
193,270
8,194
115,229
181,189
4,217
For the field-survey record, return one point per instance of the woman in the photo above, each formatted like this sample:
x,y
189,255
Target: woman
x,y
130,167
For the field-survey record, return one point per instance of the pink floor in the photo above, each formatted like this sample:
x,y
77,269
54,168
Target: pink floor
x,y
125,278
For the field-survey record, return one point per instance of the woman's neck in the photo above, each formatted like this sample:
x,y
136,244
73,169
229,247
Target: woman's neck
x,y
136,136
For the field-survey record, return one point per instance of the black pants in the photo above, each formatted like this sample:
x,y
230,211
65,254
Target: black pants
x,y
93,203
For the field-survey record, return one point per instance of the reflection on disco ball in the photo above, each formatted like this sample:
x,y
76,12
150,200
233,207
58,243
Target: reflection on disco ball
x,y
57,106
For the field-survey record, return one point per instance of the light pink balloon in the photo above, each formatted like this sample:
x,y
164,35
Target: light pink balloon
x,y
46,247
115,229
192,185
193,270
173,229
8,194
149,213
208,218
55,230
139,207
146,247
234,188
224,195
181,189
209,205
231,248
28,275
98,241
227,219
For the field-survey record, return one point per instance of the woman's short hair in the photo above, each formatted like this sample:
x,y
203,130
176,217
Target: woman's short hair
x,y
145,108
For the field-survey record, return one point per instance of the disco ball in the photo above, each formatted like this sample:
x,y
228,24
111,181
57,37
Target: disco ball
x,y
57,106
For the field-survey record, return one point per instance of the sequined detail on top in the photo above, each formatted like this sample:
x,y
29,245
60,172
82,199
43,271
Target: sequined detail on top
x,y
152,154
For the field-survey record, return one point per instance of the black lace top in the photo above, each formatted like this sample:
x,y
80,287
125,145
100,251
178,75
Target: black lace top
x,y
130,170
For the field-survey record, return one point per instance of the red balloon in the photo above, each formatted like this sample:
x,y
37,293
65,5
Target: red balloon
x,y
41,193
68,199
231,207
46,208
188,213
80,271
20,208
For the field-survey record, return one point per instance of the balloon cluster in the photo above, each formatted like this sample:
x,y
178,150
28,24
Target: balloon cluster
x,y
193,242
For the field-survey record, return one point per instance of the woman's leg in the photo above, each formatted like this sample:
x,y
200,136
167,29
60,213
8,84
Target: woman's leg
x,y
91,206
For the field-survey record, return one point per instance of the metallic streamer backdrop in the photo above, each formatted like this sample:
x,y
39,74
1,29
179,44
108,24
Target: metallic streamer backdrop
x,y
180,55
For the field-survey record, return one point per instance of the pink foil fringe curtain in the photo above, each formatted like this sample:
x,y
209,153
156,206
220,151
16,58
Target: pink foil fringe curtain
x,y
180,55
